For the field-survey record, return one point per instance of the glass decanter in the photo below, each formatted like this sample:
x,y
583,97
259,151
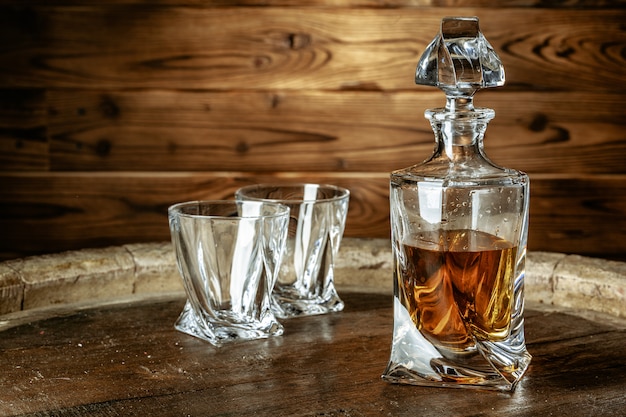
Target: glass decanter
x,y
459,226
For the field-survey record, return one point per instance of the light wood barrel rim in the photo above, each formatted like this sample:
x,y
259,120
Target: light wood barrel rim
x,y
135,272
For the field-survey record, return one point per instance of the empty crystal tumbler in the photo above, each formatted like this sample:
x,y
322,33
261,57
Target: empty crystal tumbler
x,y
305,284
228,254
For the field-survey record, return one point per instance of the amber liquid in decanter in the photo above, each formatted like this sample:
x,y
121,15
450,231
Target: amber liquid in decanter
x,y
459,285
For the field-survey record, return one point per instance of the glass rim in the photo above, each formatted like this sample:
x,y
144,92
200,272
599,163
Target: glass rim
x,y
342,193
282,210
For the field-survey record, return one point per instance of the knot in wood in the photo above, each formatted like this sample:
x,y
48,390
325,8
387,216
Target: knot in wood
x,y
109,108
538,123
242,147
297,41
261,61
103,147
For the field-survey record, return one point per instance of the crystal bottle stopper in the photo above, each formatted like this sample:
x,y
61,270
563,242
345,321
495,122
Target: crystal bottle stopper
x,y
460,61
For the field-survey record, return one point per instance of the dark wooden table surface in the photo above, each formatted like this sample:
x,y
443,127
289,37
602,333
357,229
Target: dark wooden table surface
x,y
127,360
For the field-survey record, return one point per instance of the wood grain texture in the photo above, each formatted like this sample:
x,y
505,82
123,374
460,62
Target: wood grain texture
x,y
71,211
112,110
227,48
537,132
562,4
583,215
23,130
128,360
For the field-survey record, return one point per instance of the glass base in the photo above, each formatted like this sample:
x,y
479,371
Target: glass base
x,y
416,360
451,376
219,332
289,304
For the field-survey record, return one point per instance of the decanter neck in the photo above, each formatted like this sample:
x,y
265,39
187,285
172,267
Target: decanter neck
x,y
460,104
459,129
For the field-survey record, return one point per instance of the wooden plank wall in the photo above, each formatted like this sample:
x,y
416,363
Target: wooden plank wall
x,y
111,110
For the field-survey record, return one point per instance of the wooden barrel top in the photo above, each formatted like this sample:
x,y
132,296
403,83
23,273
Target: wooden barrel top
x,y
93,335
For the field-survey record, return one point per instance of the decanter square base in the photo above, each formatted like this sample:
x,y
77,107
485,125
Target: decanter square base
x,y
416,360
